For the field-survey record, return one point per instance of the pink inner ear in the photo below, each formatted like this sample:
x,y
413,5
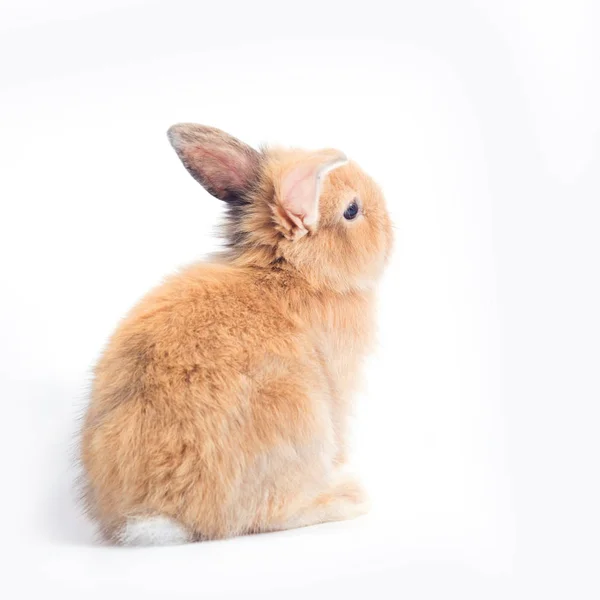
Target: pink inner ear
x,y
300,187
299,193
221,163
220,167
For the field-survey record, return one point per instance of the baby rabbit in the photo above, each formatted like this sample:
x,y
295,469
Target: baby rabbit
x,y
219,406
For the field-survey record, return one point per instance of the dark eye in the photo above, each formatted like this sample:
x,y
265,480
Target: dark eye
x,y
351,211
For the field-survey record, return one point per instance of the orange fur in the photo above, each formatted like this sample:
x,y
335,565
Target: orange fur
x,y
222,399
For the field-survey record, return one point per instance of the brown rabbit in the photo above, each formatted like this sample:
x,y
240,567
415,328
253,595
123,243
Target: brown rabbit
x,y
219,406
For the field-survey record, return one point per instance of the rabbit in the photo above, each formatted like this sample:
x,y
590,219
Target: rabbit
x,y
220,405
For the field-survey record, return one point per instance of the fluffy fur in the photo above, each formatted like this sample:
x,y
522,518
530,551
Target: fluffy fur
x,y
219,406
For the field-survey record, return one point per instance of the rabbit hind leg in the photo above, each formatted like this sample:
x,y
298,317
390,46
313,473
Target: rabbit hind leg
x,y
346,499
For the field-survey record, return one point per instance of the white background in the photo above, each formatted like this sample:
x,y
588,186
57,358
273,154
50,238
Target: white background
x,y
477,433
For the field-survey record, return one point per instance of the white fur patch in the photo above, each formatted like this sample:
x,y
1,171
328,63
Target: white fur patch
x,y
153,531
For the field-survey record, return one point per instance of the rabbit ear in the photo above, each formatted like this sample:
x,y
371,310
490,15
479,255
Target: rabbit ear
x,y
300,188
225,166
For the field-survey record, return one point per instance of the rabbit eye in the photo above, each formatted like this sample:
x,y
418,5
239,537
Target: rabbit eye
x,y
351,212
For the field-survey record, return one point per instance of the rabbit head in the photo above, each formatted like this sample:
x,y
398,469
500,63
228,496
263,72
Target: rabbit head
x,y
316,213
